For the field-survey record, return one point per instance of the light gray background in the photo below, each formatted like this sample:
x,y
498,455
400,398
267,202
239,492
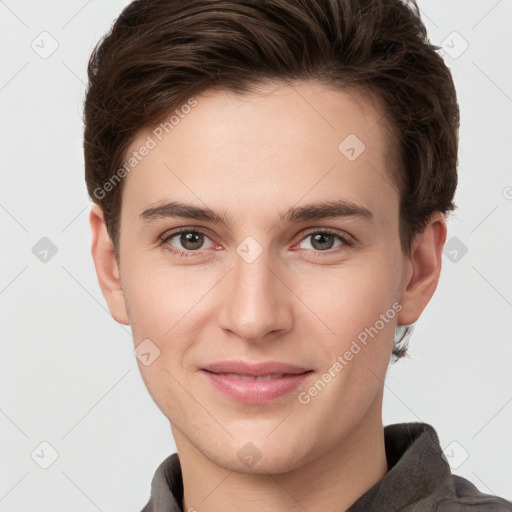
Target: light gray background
x,y
68,375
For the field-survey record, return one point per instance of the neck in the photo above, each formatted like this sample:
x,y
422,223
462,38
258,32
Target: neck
x,y
332,481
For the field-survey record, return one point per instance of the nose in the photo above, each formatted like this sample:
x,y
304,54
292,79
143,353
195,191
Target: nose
x,y
257,303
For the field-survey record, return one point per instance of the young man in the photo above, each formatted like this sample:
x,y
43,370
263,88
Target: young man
x,y
271,181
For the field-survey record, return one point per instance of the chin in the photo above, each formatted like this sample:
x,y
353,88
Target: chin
x,y
274,464
258,457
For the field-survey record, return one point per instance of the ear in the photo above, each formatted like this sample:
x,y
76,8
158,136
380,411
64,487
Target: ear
x,y
107,269
424,269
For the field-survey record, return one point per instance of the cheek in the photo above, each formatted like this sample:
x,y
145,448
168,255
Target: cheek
x,y
162,303
351,299
160,296
169,307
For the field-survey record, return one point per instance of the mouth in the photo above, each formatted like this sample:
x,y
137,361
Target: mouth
x,y
252,377
255,383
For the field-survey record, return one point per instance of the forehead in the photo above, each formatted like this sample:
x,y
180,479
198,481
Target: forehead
x,y
253,152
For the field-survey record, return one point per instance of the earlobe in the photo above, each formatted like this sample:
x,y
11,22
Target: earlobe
x,y
425,268
107,269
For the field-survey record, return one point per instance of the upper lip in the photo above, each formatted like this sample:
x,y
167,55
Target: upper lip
x,y
255,369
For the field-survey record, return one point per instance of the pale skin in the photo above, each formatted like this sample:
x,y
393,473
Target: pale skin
x,y
253,158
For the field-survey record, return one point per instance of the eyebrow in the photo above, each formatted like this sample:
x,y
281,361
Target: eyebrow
x,y
314,211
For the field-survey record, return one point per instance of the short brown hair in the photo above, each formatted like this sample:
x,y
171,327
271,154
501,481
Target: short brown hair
x,y
160,53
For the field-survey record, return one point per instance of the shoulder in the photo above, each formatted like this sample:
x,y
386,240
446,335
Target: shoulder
x,y
468,498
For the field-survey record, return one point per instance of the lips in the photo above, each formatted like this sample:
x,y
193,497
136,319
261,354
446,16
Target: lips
x,y
255,383
255,369
253,377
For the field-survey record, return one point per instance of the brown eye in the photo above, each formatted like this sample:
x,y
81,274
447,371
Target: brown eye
x,y
187,240
322,241
191,241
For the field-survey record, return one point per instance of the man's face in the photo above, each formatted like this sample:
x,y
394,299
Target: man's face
x,y
263,285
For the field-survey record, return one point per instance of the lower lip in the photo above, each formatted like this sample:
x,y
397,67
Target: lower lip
x,y
255,391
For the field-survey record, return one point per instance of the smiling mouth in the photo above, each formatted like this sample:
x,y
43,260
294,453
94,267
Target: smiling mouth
x,y
255,384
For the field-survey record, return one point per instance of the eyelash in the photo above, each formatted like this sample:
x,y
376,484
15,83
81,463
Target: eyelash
x,y
346,241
